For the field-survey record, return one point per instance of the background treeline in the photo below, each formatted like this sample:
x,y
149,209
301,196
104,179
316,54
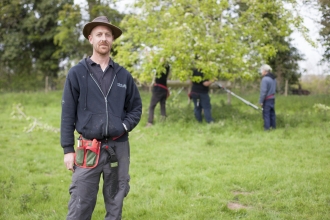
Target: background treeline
x,y
40,39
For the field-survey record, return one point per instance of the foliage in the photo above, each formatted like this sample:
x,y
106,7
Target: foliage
x,y
227,39
321,107
41,38
27,29
324,7
71,22
316,84
14,45
285,64
68,32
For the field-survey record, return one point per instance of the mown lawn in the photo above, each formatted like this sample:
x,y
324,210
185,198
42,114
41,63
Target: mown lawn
x,y
180,169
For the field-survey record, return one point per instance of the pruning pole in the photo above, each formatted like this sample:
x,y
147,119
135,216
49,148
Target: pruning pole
x,y
240,98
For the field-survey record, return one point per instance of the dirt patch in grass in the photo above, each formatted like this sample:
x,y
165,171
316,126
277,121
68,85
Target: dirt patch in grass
x,y
236,206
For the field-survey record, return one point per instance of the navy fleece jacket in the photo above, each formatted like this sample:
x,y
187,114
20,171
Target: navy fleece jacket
x,y
94,114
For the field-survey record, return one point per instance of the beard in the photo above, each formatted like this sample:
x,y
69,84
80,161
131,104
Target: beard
x,y
103,48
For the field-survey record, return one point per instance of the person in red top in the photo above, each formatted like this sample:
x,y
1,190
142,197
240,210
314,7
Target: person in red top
x,y
160,93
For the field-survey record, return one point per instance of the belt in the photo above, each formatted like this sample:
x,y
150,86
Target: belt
x,y
106,147
164,87
270,96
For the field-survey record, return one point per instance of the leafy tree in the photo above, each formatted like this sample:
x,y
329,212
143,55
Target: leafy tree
x,y
285,62
36,36
324,7
215,36
285,65
71,22
68,32
41,26
14,46
27,29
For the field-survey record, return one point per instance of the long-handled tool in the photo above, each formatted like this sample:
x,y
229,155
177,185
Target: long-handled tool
x,y
240,98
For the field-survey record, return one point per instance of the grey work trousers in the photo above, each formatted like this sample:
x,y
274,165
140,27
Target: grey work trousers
x,y
85,184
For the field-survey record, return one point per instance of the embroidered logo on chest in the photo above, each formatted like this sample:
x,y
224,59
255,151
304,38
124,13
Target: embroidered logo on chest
x,y
121,85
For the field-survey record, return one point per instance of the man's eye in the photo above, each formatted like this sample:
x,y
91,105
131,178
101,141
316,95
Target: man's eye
x,y
108,35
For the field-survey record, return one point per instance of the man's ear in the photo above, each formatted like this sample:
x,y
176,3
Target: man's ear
x,y
90,38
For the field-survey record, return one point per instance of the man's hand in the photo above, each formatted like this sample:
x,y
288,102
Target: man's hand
x,y
69,161
209,82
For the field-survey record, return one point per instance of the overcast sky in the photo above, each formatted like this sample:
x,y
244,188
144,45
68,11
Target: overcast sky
x,y
312,55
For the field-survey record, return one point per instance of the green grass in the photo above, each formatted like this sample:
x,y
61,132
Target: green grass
x,y
180,169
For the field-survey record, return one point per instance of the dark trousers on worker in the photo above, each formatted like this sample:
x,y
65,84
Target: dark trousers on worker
x,y
268,114
157,96
85,185
202,101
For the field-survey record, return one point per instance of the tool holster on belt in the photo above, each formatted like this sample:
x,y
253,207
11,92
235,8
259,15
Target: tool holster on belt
x,y
87,153
112,155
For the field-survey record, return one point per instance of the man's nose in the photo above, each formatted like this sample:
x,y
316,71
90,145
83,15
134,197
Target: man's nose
x,y
103,37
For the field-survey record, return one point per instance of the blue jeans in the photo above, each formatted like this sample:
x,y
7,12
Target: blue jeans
x,y
202,102
268,114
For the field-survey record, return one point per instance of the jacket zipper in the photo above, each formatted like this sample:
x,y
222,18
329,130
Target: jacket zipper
x,y
105,99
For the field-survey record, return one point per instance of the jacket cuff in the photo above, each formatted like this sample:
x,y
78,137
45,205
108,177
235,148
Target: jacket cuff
x,y
126,126
68,150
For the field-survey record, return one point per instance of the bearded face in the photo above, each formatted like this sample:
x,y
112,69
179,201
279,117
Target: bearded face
x,y
101,38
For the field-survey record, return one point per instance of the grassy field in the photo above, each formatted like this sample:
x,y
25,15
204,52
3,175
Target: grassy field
x,y
180,170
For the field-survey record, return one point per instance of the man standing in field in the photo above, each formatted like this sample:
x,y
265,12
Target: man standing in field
x,y
267,96
102,103
160,93
200,96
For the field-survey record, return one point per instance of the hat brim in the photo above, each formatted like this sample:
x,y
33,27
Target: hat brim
x,y
116,32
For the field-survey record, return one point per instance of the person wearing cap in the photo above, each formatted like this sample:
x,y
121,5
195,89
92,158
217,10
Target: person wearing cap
x,y
267,96
102,103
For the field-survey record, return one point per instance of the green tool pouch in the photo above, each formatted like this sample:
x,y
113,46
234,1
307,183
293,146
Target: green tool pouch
x,y
87,153
80,153
91,157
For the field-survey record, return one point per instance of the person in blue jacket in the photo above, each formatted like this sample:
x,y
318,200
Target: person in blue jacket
x,y
102,104
267,96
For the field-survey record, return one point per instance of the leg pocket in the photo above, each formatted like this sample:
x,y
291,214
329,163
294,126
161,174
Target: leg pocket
x,y
128,187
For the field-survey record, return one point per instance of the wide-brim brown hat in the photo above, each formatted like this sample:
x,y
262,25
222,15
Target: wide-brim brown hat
x,y
102,20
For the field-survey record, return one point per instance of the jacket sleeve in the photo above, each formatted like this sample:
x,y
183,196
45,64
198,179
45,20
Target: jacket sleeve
x,y
263,90
133,104
68,116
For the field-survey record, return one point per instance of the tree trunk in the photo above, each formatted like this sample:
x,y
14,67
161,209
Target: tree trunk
x,y
46,84
286,87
